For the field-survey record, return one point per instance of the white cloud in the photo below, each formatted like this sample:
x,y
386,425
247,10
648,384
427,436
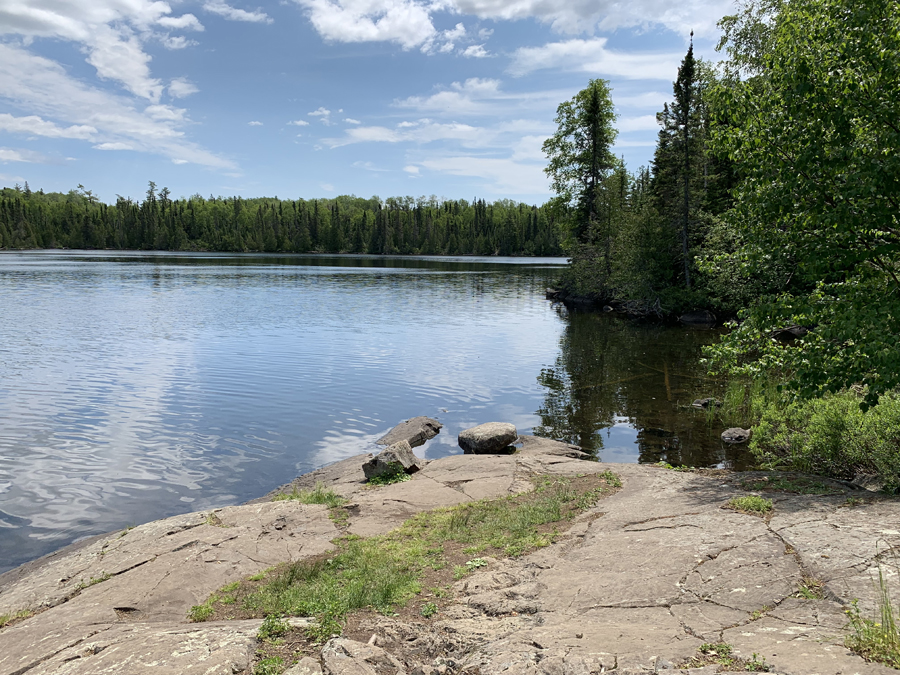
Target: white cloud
x,y
405,22
411,169
181,87
52,94
350,120
27,156
368,166
37,126
177,42
328,187
111,33
592,56
323,114
179,161
113,146
234,14
584,16
425,131
475,52
641,123
461,98
255,123
299,123
500,175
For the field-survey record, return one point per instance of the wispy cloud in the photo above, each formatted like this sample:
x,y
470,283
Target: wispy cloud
x,y
235,14
33,125
592,56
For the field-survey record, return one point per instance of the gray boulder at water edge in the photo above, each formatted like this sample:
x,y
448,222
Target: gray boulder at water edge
x,y
385,462
414,431
736,435
488,438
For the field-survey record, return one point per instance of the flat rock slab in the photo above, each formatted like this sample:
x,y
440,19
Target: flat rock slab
x,y
414,431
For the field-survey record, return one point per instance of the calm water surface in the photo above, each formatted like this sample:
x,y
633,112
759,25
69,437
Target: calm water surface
x,y
138,386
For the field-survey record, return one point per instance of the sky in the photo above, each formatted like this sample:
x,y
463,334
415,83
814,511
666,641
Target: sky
x,y
319,98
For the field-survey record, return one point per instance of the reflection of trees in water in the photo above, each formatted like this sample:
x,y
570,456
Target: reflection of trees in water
x,y
611,369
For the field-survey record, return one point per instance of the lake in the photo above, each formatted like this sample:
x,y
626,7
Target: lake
x,y
135,386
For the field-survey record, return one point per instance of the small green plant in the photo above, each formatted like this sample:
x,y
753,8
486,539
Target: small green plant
x,y
93,581
670,467
756,506
877,641
272,665
320,494
202,612
811,588
6,619
459,571
395,474
611,479
756,615
273,626
429,609
475,563
722,654
260,575
214,520
756,664
440,592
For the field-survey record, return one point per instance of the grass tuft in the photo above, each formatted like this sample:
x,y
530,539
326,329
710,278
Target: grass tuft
x,y
7,619
722,654
397,474
320,494
755,506
877,641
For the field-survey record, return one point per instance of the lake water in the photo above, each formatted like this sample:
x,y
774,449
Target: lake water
x,y
138,386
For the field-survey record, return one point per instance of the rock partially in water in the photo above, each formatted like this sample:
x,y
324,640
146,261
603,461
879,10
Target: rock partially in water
x,y
706,403
736,435
387,460
414,431
489,438
700,317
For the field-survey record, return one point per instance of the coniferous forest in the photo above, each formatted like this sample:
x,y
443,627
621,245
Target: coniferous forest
x,y
33,219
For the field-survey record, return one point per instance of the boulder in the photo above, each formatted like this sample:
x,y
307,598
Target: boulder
x,y
306,666
736,435
341,656
701,317
415,432
706,403
789,334
385,462
488,438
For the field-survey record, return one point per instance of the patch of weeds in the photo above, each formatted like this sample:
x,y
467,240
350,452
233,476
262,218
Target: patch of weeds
x,y
852,502
877,641
670,467
259,576
756,615
612,479
272,627
93,581
385,572
7,619
395,474
429,609
795,484
811,588
340,517
272,665
214,520
440,592
320,494
755,506
722,654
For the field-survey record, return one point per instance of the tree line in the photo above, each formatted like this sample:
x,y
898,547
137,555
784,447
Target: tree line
x,y
346,224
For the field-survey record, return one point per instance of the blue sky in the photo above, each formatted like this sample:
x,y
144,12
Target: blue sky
x,y
315,98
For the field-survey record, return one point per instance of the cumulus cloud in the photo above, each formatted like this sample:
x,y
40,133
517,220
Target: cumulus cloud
x,y
255,123
591,56
177,42
500,175
111,33
405,22
475,52
181,87
235,14
323,114
54,96
33,125
299,123
640,123
350,120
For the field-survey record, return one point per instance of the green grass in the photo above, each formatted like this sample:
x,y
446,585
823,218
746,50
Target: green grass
x,y
811,588
272,665
877,641
384,572
757,506
429,609
670,467
6,619
397,474
320,494
722,654
93,581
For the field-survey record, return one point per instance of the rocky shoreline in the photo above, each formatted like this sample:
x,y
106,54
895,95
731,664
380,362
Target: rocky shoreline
x,y
637,585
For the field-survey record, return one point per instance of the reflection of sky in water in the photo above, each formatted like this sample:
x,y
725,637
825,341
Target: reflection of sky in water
x,y
133,388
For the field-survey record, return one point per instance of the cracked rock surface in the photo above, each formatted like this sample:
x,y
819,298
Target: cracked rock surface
x,y
636,585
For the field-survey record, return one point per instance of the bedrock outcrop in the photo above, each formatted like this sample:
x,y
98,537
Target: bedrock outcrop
x,y
636,585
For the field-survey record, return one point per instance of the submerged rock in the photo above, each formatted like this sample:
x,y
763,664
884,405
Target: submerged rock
x,y
414,431
386,461
701,317
736,435
706,403
487,438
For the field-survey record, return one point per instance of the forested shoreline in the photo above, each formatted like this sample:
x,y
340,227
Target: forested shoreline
x,y
346,224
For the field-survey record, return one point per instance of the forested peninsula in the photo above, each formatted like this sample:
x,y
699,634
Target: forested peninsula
x,y
346,224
